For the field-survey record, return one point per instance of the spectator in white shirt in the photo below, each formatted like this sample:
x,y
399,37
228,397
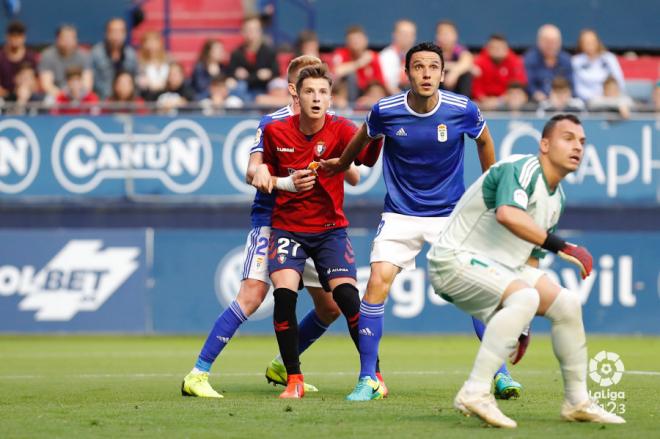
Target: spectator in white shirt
x,y
392,58
592,65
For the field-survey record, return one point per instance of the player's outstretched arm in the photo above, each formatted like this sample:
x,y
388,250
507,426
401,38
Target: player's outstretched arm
x,y
486,149
523,226
341,164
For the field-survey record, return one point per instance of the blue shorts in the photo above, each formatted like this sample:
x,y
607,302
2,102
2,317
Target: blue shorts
x,y
331,252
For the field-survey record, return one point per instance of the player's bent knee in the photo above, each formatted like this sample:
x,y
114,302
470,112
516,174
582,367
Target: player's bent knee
x,y
526,300
566,306
251,295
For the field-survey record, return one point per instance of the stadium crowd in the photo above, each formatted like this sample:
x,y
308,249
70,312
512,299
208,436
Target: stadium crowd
x,y
112,76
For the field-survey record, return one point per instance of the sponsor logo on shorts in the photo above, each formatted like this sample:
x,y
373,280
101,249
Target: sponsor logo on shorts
x,y
337,270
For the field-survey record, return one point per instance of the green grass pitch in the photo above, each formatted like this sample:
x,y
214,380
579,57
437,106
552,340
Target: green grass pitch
x,y
114,386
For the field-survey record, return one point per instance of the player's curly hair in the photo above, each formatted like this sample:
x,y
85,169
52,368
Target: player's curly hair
x,y
425,47
319,71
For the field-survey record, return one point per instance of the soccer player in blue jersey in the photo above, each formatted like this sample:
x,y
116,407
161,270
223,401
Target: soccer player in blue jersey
x,y
424,130
255,282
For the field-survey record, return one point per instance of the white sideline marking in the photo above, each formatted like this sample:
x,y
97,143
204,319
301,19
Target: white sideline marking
x,y
259,374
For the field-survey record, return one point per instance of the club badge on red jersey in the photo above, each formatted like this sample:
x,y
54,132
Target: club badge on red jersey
x,y
320,149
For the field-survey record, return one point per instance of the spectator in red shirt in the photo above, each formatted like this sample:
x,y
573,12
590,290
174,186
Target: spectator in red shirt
x,y
355,63
13,55
495,68
75,99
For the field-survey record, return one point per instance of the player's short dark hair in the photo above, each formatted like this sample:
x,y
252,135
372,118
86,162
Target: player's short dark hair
x,y
426,46
554,120
313,72
16,27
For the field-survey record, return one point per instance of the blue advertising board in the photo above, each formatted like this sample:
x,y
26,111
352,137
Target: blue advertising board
x,y
184,157
65,280
178,281
198,274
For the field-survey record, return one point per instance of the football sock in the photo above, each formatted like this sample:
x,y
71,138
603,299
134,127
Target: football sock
x,y
348,300
370,329
479,329
223,330
310,329
286,328
569,344
501,337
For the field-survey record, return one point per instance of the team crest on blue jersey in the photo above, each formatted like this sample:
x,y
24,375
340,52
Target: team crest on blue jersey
x,y
281,258
320,148
442,132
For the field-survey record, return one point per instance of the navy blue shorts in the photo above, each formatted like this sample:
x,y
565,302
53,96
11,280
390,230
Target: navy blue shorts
x,y
331,252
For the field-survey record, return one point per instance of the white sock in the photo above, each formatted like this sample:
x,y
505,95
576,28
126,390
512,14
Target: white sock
x,y
195,370
570,344
279,359
501,337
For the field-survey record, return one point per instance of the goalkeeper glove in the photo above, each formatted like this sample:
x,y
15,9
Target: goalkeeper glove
x,y
575,254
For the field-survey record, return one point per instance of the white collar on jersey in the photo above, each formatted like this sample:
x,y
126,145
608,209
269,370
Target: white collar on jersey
x,y
430,113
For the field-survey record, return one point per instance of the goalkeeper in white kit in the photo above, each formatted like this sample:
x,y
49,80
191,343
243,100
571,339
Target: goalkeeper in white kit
x,y
486,263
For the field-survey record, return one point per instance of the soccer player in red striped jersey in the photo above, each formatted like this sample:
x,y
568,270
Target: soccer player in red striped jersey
x,y
310,222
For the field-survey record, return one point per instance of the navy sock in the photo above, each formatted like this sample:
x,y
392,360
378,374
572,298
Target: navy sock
x,y
223,330
370,332
479,329
309,330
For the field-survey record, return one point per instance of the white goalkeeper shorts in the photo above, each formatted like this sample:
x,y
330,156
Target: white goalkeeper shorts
x,y
473,282
255,259
400,238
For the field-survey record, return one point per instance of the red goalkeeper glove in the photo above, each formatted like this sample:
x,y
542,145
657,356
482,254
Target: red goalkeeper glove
x,y
575,254
521,347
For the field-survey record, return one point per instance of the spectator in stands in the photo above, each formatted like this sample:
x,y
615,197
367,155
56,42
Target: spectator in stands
x,y
177,91
612,99
153,65
656,96
458,60
592,65
308,44
393,58
75,98
545,62
495,68
356,64
13,55
209,65
124,97
56,59
254,62
515,99
219,97
26,91
340,96
561,99
111,56
374,92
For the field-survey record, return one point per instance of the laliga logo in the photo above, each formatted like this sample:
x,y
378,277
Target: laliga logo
x,y
236,154
228,278
81,277
606,368
19,156
180,156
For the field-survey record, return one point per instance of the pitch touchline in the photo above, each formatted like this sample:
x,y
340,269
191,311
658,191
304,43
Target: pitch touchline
x,y
259,374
